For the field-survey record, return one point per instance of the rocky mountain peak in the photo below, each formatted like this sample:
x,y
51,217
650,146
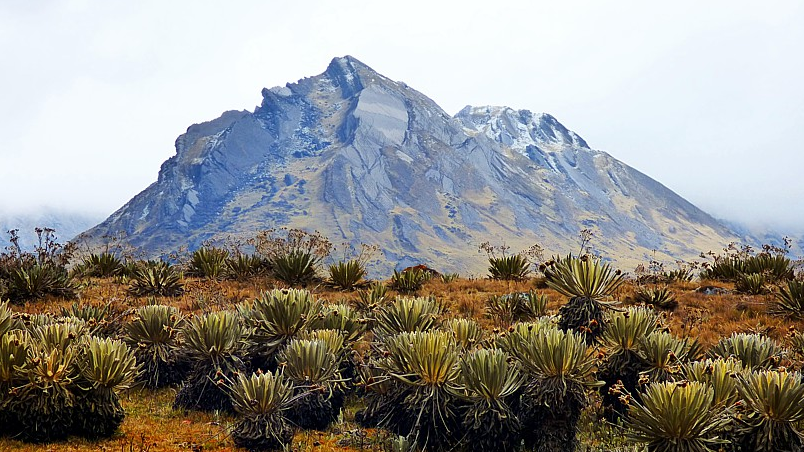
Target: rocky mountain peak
x,y
366,159
519,129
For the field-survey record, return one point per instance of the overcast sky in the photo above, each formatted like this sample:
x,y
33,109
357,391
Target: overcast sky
x,y
706,97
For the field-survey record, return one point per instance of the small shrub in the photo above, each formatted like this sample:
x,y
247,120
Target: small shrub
x,y
103,265
208,262
467,332
409,281
45,409
260,401
244,266
371,299
13,355
517,307
776,267
535,305
627,329
789,301
676,417
38,281
588,282
679,275
32,275
561,370
110,367
295,268
663,354
333,339
720,375
750,283
774,407
509,268
153,334
100,320
659,297
293,255
724,269
771,263
312,366
274,319
350,270
341,318
425,365
346,275
492,384
584,276
213,344
58,381
156,278
520,333
407,315
129,269
753,350
7,320
625,359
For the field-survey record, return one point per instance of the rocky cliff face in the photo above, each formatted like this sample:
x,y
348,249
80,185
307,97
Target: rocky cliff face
x,y
363,158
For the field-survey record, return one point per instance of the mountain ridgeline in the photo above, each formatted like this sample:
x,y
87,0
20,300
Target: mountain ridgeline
x,y
362,158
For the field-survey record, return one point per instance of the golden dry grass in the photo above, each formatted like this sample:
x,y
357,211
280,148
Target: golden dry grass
x,y
151,424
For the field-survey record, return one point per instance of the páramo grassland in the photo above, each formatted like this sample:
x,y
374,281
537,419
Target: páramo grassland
x,y
277,344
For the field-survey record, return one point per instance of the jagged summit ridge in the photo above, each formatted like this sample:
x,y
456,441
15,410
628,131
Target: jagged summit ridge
x,y
518,129
363,158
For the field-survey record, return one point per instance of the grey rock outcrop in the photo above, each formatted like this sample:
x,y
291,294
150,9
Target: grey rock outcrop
x,y
362,158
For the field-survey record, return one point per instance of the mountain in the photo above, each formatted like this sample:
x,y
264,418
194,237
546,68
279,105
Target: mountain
x,y
362,158
66,225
